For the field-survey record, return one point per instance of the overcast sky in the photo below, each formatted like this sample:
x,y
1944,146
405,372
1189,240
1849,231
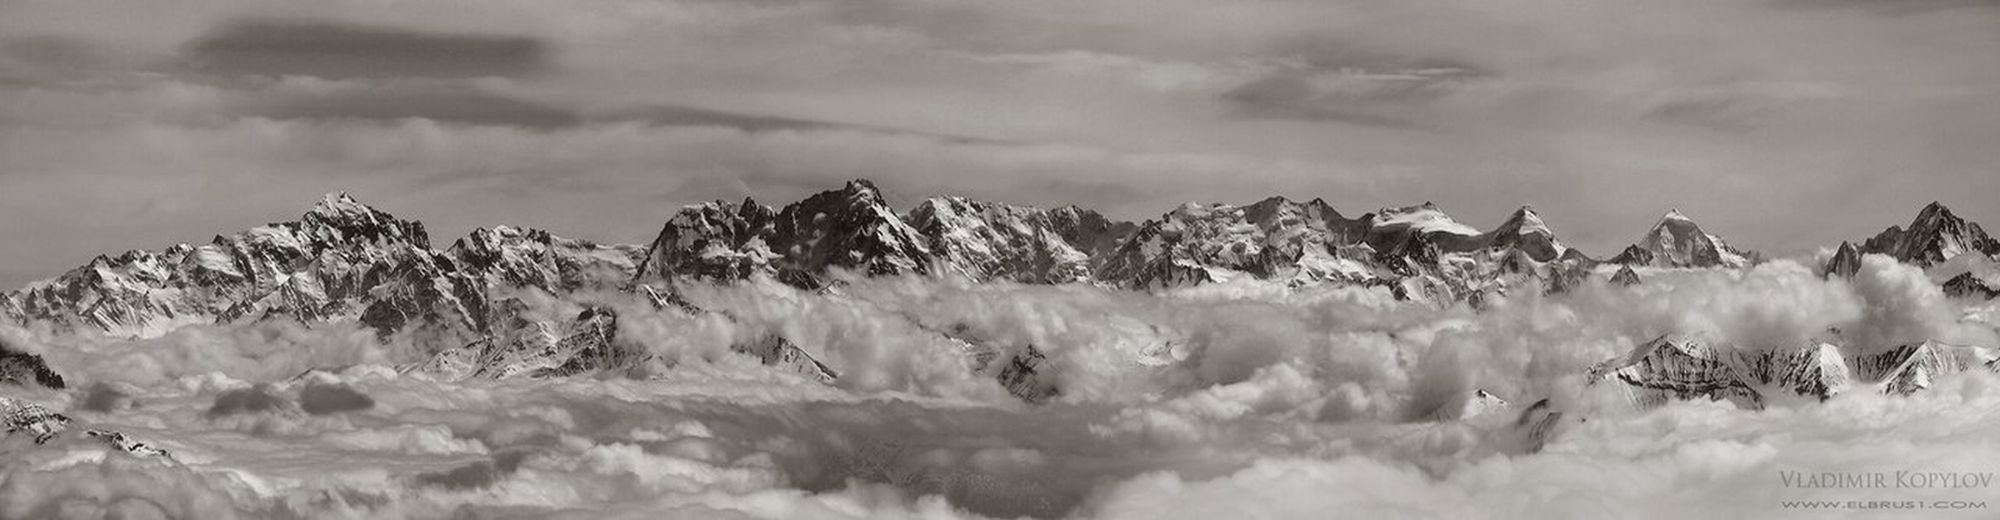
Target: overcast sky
x,y
1781,125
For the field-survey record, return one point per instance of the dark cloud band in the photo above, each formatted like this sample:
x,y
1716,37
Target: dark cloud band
x,y
335,50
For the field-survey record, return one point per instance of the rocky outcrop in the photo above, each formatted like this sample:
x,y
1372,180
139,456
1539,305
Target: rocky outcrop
x,y
1937,235
24,369
1846,261
44,426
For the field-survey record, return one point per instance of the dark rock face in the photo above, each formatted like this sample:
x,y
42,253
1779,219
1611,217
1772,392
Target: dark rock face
x,y
713,241
514,257
775,350
1845,263
44,426
990,241
851,228
1687,367
1538,425
345,260
591,345
22,368
1026,377
519,345
31,419
1909,368
1818,370
1678,368
1274,239
342,260
1626,277
1633,255
1969,286
339,259
1524,231
1935,236
1088,231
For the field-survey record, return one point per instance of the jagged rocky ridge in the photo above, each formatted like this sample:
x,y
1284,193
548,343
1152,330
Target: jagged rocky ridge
x,y
343,260
1957,253
1935,237
25,369
1680,366
42,426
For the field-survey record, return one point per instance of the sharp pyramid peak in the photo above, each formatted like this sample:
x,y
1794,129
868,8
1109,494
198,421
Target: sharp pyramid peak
x,y
340,207
338,202
1523,219
859,191
1935,210
861,185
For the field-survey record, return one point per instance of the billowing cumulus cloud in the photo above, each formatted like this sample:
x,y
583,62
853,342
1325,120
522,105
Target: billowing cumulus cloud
x,y
1243,398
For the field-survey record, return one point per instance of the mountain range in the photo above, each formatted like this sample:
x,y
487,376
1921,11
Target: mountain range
x,y
465,303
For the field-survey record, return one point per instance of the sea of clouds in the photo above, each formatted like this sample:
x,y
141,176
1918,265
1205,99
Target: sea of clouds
x,y
1238,400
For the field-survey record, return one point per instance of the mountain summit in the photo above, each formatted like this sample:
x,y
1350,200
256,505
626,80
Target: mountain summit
x,y
1676,241
1934,237
345,260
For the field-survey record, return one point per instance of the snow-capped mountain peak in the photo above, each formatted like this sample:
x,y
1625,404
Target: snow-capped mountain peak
x,y
1272,238
716,240
1526,221
987,240
338,217
850,228
1846,261
1936,236
1524,230
1676,241
1423,218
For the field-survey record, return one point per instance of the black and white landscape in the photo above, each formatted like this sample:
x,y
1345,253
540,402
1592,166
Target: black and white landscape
x,y
935,260
837,356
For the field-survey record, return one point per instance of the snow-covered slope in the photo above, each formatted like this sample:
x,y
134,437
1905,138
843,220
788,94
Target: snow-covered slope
x,y
534,258
319,267
1935,237
993,241
1275,239
1692,366
345,261
341,260
713,241
852,228
1676,241
1525,231
1910,368
42,426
